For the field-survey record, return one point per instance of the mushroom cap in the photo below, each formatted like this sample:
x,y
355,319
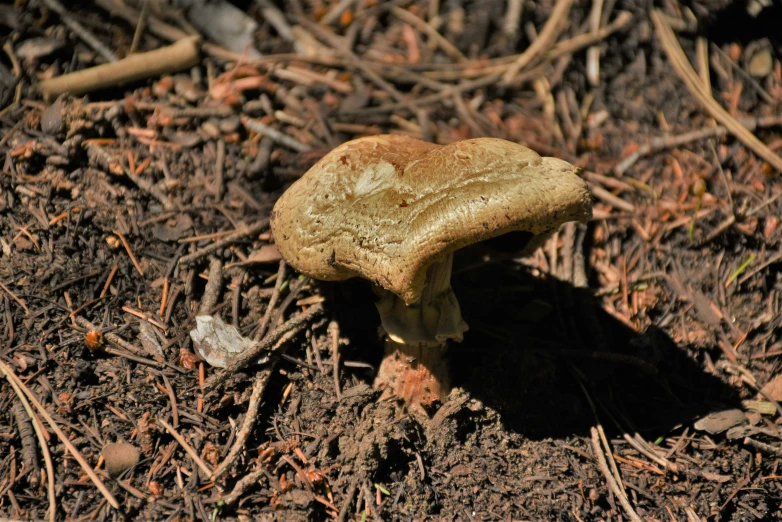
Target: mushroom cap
x,y
386,207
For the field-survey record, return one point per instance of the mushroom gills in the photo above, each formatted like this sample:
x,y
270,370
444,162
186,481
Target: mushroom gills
x,y
509,243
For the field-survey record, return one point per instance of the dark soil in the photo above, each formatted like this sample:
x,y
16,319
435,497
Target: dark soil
x,y
640,326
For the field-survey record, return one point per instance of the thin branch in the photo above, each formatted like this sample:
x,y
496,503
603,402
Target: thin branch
x,y
612,484
80,30
556,22
447,47
187,447
247,423
63,438
684,70
241,233
47,457
173,58
267,315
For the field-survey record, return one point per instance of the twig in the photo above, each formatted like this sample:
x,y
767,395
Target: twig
x,y
172,398
334,332
63,438
213,285
39,433
270,132
249,230
667,142
244,483
640,444
175,57
548,35
267,315
343,512
763,446
304,478
104,159
144,317
15,298
593,53
336,11
247,423
265,344
353,59
136,353
684,70
447,47
186,446
510,25
27,435
133,259
608,453
702,59
142,19
80,30
615,201
276,19
612,484
219,170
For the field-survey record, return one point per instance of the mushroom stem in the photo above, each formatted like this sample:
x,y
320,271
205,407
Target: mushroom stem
x,y
414,367
416,373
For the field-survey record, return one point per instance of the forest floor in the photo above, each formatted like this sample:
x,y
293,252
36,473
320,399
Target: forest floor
x,y
627,370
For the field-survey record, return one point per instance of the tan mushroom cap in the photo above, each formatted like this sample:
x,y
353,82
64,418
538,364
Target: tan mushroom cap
x,y
386,207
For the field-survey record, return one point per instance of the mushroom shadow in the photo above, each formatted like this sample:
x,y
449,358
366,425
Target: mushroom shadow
x,y
534,342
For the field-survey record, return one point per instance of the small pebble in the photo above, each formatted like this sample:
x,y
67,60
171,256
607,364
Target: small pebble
x,y
119,457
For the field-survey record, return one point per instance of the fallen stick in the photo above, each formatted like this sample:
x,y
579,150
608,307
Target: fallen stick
x,y
70,448
80,30
687,75
38,433
187,447
668,142
261,379
267,315
175,57
242,485
241,233
613,485
555,24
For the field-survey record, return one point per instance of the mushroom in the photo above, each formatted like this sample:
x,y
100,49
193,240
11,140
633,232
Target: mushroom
x,y
393,210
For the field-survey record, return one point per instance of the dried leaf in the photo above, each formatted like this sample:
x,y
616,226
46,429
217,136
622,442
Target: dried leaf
x,y
773,388
149,340
216,342
173,229
721,421
265,254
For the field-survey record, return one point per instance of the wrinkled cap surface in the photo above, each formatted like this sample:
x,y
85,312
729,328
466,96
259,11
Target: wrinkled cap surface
x,y
386,207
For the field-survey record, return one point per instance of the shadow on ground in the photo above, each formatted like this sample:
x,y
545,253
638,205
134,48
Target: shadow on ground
x,y
533,343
